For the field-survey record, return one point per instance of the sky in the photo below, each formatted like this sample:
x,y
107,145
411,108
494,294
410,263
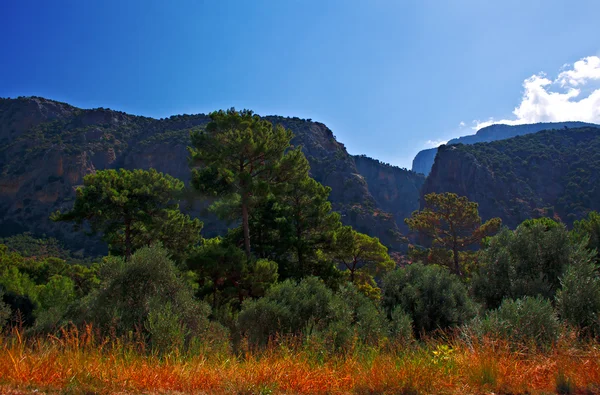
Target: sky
x,y
389,77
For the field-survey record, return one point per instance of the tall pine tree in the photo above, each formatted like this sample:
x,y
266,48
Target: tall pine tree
x,y
239,158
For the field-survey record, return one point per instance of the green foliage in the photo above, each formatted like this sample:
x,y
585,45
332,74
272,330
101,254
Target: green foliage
x,y
362,256
529,321
165,327
432,297
29,246
132,293
259,276
54,298
293,225
4,311
221,268
453,223
578,301
555,168
239,158
526,262
401,325
289,307
134,209
311,308
588,230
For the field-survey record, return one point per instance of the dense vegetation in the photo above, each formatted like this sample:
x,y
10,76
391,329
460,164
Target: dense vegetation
x,y
550,173
289,276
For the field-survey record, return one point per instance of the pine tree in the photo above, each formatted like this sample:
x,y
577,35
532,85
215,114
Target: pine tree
x,y
238,158
133,209
453,222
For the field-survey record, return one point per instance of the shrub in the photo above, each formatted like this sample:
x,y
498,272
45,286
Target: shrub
x,y
311,308
4,311
526,262
133,296
578,302
288,308
529,321
401,326
362,315
430,295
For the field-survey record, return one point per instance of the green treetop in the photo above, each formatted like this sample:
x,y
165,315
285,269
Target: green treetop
x,y
363,256
453,222
133,209
240,157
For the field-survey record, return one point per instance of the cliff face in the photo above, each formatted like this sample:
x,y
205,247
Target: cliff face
x,y
424,159
46,148
550,173
395,190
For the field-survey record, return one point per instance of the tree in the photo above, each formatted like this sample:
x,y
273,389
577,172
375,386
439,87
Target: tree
x,y
293,225
220,266
528,261
362,255
239,157
142,292
133,209
452,222
432,296
589,229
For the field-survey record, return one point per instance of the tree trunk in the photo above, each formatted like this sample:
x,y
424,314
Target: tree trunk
x,y
127,239
354,263
456,270
246,227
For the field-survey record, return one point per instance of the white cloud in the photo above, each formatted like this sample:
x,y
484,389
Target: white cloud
x,y
461,124
542,102
435,143
583,70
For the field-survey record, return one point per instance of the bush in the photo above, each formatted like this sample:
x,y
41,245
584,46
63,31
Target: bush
x,y
588,231
311,308
4,311
529,321
288,308
431,296
134,295
578,302
526,262
401,326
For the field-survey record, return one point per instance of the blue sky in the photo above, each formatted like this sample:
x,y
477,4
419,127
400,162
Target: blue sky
x,y
388,77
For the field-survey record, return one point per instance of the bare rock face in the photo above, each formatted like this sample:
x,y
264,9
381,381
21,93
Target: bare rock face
x,y
552,173
47,147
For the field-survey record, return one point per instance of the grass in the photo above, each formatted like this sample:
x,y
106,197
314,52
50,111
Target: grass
x,y
79,362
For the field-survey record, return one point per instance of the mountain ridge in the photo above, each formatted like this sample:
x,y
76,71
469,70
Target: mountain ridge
x,y
423,161
47,147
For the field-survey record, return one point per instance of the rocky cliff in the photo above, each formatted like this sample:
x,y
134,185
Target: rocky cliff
x,y
550,173
396,191
47,147
424,159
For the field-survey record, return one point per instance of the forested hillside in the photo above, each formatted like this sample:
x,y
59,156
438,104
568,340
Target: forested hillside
x,y
550,173
47,147
424,159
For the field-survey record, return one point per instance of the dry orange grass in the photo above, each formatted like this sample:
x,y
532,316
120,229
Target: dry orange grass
x,y
76,363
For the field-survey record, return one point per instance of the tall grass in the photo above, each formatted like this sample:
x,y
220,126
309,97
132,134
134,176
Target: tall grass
x,y
81,361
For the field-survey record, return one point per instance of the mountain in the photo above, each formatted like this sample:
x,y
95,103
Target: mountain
x,y
424,159
552,173
47,147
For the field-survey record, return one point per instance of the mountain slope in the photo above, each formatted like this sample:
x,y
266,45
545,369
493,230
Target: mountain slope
x,y
424,159
47,147
549,173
